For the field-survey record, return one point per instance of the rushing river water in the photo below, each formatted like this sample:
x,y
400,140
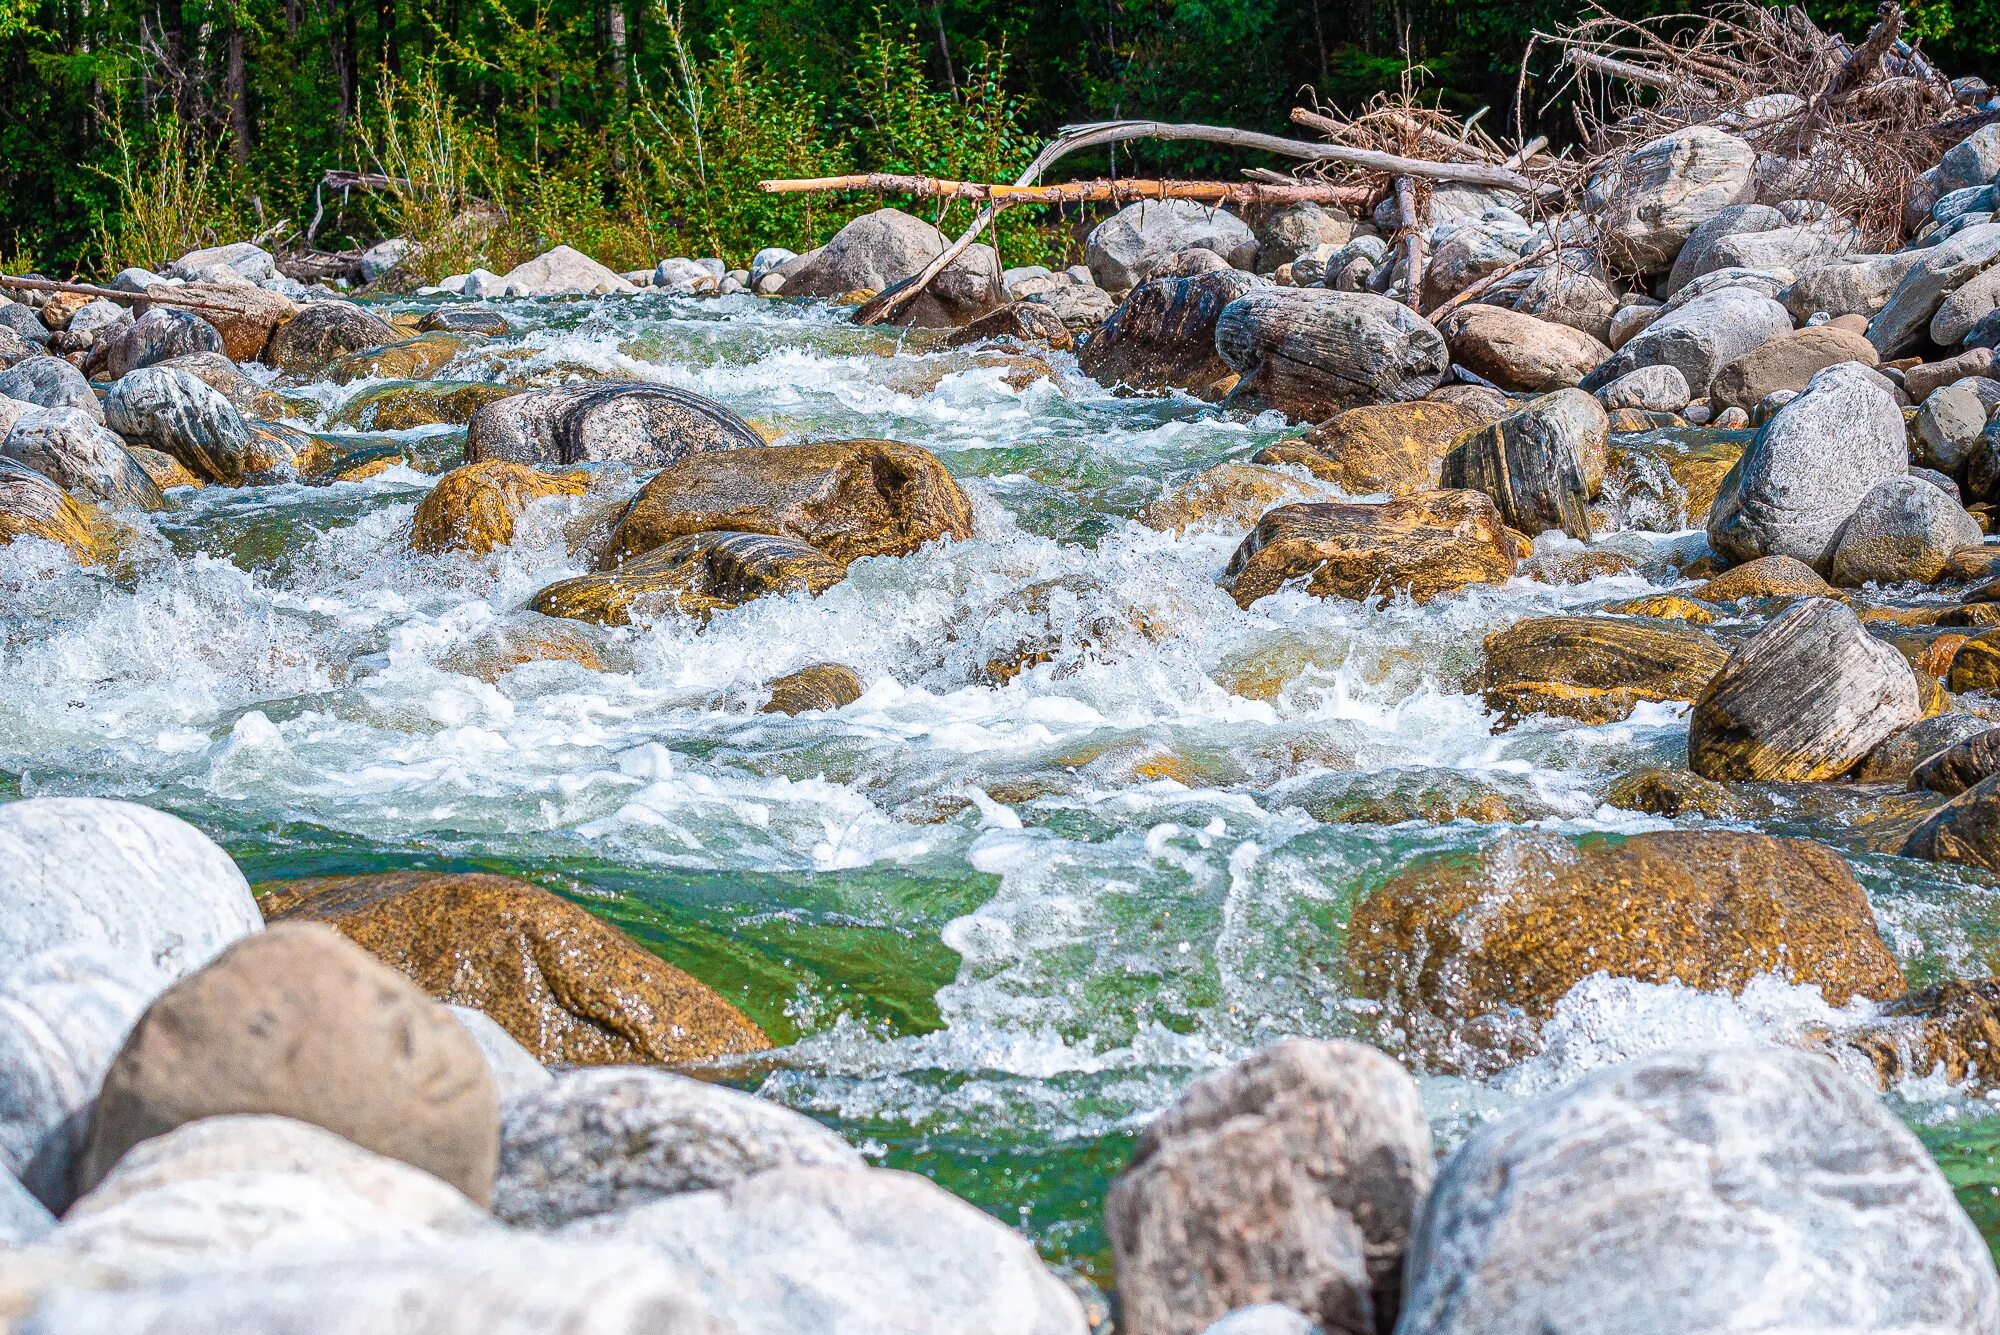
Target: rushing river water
x,y
993,922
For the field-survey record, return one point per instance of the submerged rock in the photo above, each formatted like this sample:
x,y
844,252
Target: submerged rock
x,y
297,1022
79,455
323,332
1671,793
1425,545
1533,463
647,426
693,575
1394,447
1806,698
1469,954
1965,830
821,686
1677,1192
1163,334
473,508
1595,669
1310,352
1292,1176
1228,496
849,499
568,986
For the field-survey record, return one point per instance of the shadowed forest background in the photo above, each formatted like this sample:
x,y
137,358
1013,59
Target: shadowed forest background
x,y
135,129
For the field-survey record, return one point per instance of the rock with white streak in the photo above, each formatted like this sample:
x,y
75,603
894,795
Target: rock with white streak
x,y
50,382
1687,1191
177,413
1904,321
1656,197
245,259
77,453
598,1141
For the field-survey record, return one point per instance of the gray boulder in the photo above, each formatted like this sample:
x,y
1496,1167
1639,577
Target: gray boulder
x,y
1536,463
683,277
878,250
1467,253
1572,292
1897,758
598,1141
1850,285
1129,247
23,1219
1080,306
561,272
249,262
846,1253
1904,321
382,257
1950,419
1808,469
174,411
23,321
641,424
1904,529
1762,282
50,382
1784,250
1699,338
160,333
94,317
1972,161
1309,352
1655,198
1693,259
1348,269
1291,1177
1958,314
74,451
767,260
1299,229
1684,1191
1653,389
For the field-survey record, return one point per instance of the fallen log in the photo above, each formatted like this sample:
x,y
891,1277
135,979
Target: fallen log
x,y
1101,190
161,295
1413,243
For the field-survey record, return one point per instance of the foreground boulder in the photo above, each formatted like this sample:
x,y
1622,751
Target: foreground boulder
x,y
646,426
1532,462
31,506
848,498
297,1022
693,575
1470,954
1595,669
596,1142
1394,447
178,414
1905,528
878,250
1965,830
1310,352
321,333
1520,352
1426,545
1163,335
1806,698
1808,469
572,989
1132,244
472,509
1291,1177
1677,1192
72,450
1654,199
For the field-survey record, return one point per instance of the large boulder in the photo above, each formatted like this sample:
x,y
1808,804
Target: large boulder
x,y
31,506
175,412
1905,528
1653,389
323,332
1534,463
250,262
1787,362
1972,161
646,426
1682,1191
1310,352
1965,830
160,333
1392,447
835,1250
848,498
1519,352
1294,230
1694,258
297,1022
1468,252
1593,668
1572,290
1125,249
878,250
1292,1177
75,451
570,987
23,1219
1652,200
243,317
1163,334
1808,469
1426,545
1699,338
561,272
1805,698
50,382
472,508
1904,321
693,575
1850,285
1470,953
597,1142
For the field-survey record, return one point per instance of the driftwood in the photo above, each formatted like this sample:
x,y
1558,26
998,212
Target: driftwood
x,y
1413,243
161,295
1102,190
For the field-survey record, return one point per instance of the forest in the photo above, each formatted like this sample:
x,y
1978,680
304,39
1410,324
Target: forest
x,y
135,129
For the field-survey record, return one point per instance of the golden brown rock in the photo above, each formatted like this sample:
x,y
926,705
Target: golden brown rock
x,y
1024,321
695,575
322,332
165,470
401,406
473,508
1975,664
847,498
1671,792
528,638
1666,607
821,686
1392,447
1452,942
1953,1028
245,316
1765,577
568,986
418,358
1227,496
1426,545
31,506
1595,669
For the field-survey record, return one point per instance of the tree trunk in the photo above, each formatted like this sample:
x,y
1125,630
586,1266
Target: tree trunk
x,y
614,21
235,88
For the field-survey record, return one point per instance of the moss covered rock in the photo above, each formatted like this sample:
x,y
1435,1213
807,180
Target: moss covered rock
x,y
1392,447
473,508
1595,669
696,574
1426,545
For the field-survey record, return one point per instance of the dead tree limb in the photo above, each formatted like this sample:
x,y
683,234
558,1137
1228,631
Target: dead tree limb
x,y
159,295
1622,69
1103,190
1413,243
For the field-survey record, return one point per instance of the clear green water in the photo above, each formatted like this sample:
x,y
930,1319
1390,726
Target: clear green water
x,y
993,929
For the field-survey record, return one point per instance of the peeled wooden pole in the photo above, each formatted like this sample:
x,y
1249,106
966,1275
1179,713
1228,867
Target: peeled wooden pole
x,y
1101,190
1413,244
161,295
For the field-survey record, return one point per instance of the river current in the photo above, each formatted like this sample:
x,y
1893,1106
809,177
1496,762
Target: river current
x,y
994,919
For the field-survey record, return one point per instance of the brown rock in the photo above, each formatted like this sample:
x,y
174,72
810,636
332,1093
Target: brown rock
x,y
1392,447
296,1022
527,639
1457,945
472,508
1163,334
1293,1177
165,470
245,316
821,686
31,506
1920,380
1228,496
1024,321
1666,607
1593,668
1964,763
322,332
399,407
1520,352
1426,545
1537,463
1786,362
1765,577
1953,1027
1671,793
1965,830
571,988
848,498
1976,664
694,575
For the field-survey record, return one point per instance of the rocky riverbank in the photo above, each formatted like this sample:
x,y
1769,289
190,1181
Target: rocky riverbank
x,y
1734,471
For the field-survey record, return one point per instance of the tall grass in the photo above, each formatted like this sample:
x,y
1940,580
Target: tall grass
x,y
174,190
442,169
